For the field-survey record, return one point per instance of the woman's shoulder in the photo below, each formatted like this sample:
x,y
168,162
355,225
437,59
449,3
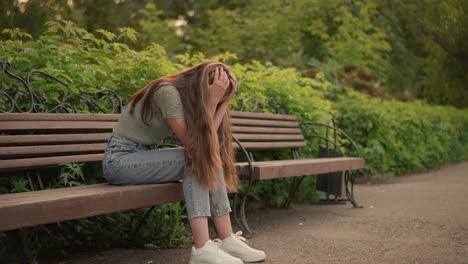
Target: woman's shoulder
x,y
167,93
167,87
169,102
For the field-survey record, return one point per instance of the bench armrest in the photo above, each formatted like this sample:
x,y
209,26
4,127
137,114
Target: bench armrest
x,y
335,131
246,154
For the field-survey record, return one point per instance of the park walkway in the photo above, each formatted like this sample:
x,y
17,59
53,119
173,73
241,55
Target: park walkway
x,y
417,218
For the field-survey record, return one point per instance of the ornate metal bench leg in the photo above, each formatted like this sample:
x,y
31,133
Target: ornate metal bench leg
x,y
39,180
294,187
142,222
349,193
242,208
295,184
30,181
242,223
236,216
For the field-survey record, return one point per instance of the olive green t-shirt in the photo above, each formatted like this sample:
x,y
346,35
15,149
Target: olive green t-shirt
x,y
129,126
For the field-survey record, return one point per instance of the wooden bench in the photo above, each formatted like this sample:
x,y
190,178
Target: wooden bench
x,y
32,141
61,138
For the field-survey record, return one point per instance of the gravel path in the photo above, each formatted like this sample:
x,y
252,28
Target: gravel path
x,y
417,218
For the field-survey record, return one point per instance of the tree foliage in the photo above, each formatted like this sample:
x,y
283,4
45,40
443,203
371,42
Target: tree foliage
x,y
416,48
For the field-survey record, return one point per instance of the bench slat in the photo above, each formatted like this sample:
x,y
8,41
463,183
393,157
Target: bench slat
x,y
33,163
15,153
53,138
272,130
49,206
40,162
268,145
84,125
262,115
51,149
56,125
259,122
267,137
115,117
103,137
264,170
57,117
108,125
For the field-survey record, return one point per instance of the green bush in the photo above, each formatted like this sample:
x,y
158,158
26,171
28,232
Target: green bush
x,y
402,137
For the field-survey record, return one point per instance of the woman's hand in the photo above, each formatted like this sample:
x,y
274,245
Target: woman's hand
x,y
219,86
233,82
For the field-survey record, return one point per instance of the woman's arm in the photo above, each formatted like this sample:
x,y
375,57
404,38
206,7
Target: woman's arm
x,y
180,129
220,111
220,105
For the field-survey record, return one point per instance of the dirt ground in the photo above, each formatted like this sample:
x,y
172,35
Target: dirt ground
x,y
417,218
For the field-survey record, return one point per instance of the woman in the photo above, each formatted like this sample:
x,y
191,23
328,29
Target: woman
x,y
194,105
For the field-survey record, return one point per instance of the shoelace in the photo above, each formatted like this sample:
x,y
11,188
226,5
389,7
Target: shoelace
x,y
217,243
238,235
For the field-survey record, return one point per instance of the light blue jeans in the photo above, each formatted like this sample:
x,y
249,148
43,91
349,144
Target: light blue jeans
x,y
127,163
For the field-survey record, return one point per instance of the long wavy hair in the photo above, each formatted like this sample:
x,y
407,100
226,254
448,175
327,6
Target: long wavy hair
x,y
211,151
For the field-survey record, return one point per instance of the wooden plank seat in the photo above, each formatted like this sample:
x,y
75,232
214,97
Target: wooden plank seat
x,y
49,206
265,170
29,141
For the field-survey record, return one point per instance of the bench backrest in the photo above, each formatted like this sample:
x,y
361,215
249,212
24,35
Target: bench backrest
x,y
266,131
34,140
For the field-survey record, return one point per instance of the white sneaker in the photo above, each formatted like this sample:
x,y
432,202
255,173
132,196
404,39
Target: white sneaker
x,y
211,253
236,245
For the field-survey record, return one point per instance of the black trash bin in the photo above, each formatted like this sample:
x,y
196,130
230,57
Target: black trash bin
x,y
330,183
